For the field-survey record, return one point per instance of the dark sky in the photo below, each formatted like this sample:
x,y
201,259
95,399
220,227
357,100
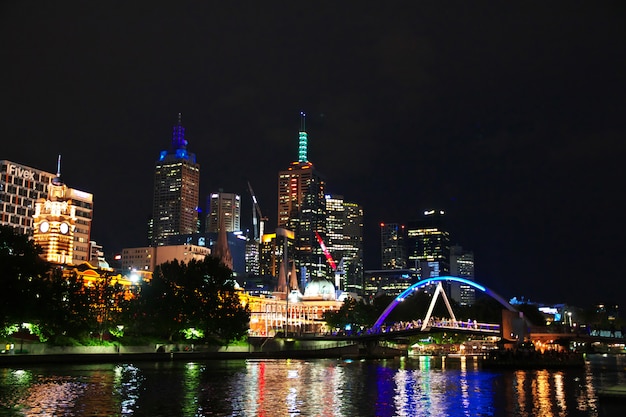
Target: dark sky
x,y
511,117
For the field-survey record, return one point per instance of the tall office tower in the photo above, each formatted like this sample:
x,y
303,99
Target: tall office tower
x,y
176,191
344,225
21,187
353,234
302,209
428,245
224,207
462,265
392,246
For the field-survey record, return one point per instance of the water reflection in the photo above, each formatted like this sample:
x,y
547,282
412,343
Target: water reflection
x,y
411,387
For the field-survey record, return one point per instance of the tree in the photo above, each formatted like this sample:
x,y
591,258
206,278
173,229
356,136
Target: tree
x,y
21,274
65,306
199,294
352,313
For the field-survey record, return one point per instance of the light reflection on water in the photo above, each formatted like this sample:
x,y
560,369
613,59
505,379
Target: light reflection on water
x,y
272,388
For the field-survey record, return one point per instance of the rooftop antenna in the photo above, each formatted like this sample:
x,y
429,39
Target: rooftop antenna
x,y
303,140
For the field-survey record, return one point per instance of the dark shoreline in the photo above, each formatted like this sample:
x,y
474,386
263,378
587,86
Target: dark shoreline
x,y
19,359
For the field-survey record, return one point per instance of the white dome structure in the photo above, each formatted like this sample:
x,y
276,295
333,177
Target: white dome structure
x,y
320,288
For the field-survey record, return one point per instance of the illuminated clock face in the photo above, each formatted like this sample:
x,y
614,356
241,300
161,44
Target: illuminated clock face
x,y
44,227
64,228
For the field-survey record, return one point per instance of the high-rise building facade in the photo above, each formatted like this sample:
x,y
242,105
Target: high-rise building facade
x,y
428,245
224,209
462,265
392,246
344,225
22,186
176,191
302,209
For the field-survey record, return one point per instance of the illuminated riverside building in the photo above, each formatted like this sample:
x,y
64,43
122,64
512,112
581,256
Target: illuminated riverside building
x,y
22,186
392,246
147,258
306,315
54,223
176,191
226,208
302,209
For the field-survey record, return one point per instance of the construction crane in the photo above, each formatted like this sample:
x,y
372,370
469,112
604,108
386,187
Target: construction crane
x,y
258,221
337,269
329,258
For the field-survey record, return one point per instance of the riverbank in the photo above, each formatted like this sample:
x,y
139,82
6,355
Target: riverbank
x,y
128,355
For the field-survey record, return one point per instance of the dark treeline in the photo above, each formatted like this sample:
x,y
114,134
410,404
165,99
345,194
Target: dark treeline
x,y
197,299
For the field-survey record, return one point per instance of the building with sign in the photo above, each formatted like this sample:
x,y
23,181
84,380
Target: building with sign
x,y
22,186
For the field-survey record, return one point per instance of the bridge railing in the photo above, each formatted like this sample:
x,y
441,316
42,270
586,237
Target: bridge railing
x,y
472,325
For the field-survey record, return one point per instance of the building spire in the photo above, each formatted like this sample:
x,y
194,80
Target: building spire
x,y
178,134
303,140
57,180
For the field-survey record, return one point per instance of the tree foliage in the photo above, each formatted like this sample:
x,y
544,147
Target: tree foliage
x,y
21,274
353,314
199,294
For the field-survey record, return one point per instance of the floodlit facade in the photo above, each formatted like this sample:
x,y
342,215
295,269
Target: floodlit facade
x,y
271,315
176,191
21,187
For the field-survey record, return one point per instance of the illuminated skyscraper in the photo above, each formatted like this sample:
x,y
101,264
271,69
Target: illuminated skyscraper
x,y
176,191
392,246
462,265
224,207
344,223
428,244
302,209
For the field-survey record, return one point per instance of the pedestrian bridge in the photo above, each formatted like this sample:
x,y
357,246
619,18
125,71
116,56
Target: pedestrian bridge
x,y
429,323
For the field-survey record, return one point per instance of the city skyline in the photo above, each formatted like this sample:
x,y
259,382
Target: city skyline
x,y
509,118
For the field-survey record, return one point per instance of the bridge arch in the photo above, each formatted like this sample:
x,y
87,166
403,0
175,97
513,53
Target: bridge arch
x,y
409,291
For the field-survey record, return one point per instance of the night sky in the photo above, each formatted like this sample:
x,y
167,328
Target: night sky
x,y
511,117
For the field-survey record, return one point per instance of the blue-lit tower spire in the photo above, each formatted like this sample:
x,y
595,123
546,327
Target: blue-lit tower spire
x,y
178,135
303,142
176,190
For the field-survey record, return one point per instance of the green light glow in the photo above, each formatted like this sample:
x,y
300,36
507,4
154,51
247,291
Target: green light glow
x,y
302,148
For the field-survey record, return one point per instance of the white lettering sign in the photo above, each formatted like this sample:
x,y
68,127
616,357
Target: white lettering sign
x,y
21,172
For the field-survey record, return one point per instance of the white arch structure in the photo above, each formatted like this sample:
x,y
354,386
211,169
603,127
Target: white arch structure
x,y
415,287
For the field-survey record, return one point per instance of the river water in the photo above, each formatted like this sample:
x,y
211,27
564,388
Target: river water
x,y
401,387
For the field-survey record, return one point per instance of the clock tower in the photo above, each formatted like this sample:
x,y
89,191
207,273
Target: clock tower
x,y
54,222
